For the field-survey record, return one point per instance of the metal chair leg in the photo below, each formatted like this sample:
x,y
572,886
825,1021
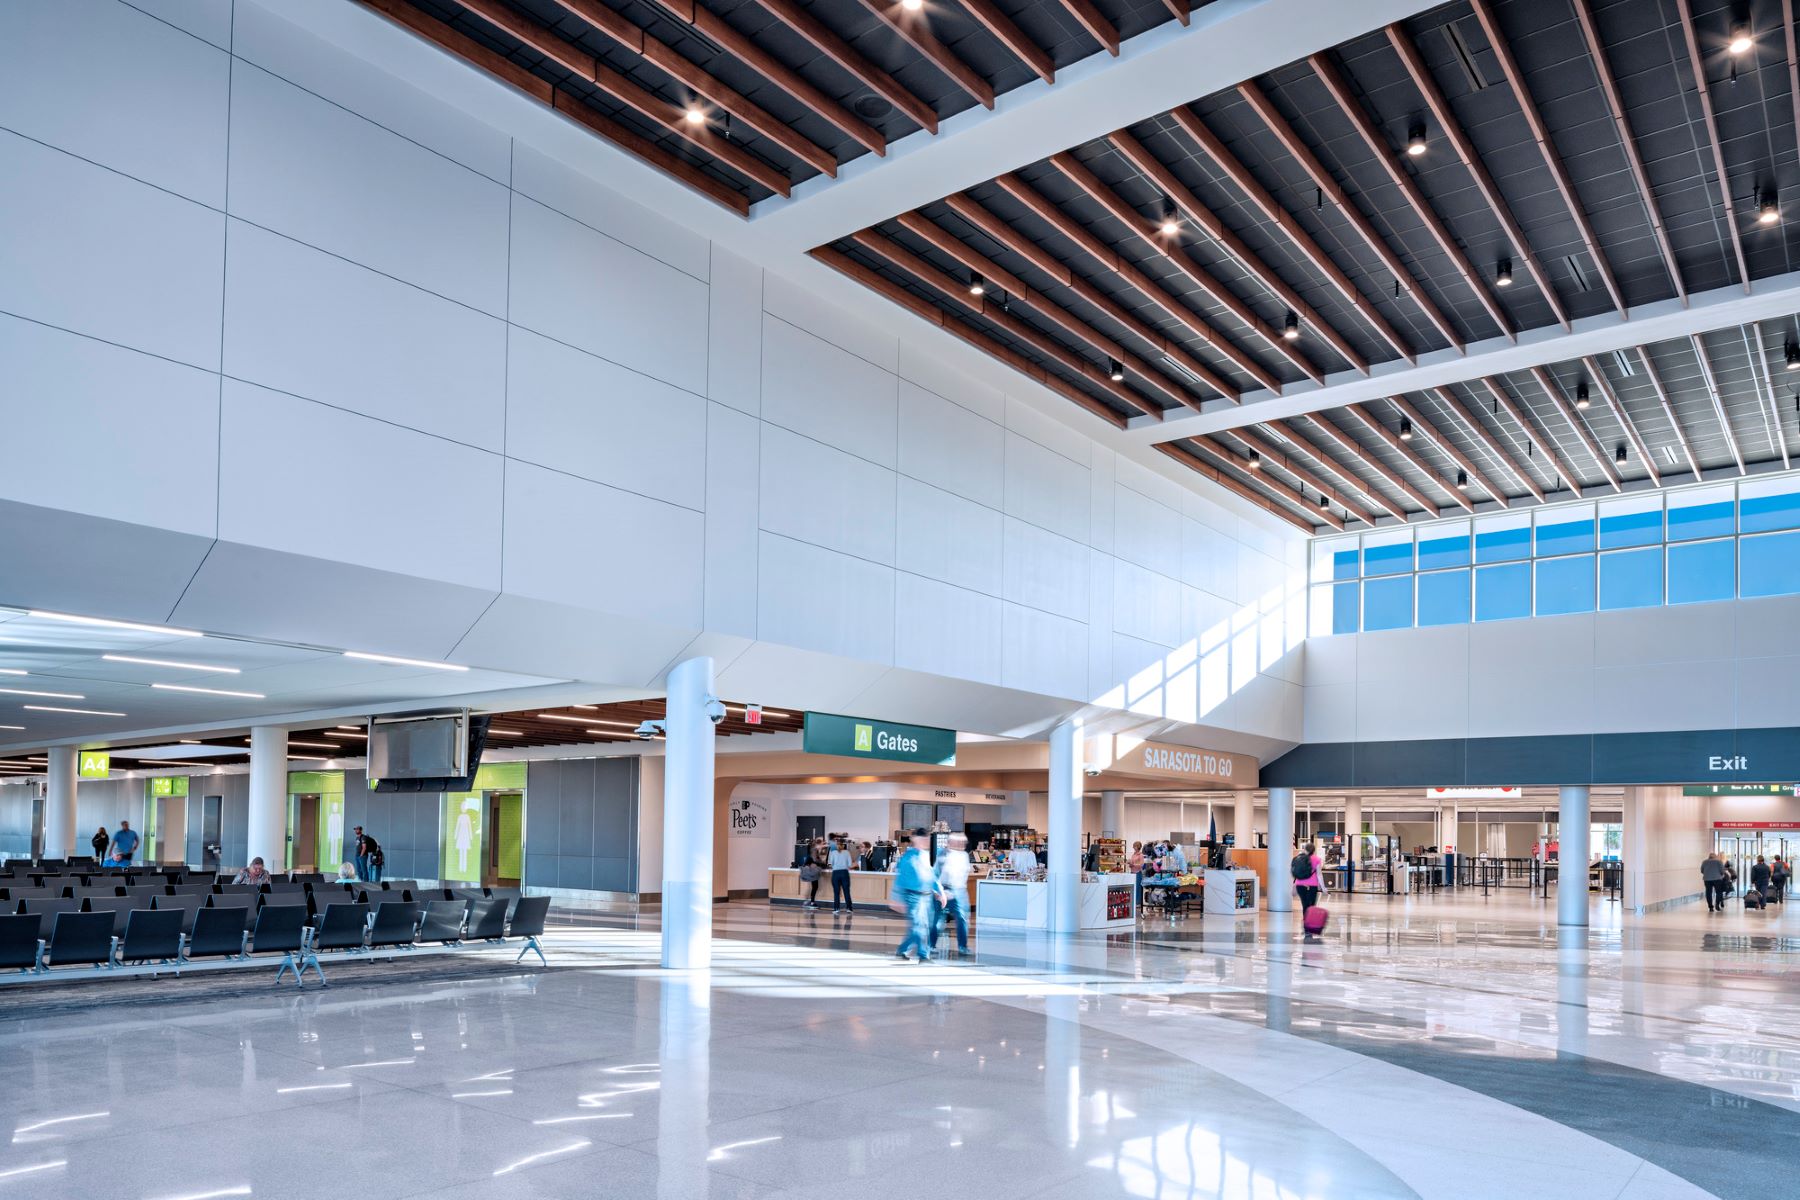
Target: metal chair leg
x,y
531,944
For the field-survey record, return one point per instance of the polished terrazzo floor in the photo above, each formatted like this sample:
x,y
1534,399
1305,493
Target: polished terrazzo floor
x,y
1440,1046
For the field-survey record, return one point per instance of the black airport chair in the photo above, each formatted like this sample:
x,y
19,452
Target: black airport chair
x,y
399,885
20,944
48,910
118,906
151,934
487,920
394,925
219,931
343,927
240,889
78,938
528,923
281,929
187,906
243,900
443,921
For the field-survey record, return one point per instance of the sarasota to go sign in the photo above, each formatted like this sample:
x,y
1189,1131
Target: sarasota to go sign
x,y
1162,760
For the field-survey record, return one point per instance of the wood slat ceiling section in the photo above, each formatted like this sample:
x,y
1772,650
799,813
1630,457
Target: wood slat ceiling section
x,y
532,727
1566,139
784,90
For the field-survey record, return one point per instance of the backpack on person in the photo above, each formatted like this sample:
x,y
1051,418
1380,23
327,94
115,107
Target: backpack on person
x,y
1301,867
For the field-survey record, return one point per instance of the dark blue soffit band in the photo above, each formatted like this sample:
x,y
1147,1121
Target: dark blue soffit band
x,y
1685,756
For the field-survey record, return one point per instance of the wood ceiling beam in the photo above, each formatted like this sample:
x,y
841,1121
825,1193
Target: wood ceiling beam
x,y
1200,466
646,103
1345,97
1008,34
1114,204
1096,24
1472,423
1515,80
1139,156
1179,8
989,310
1533,435
1333,468
1590,32
570,105
1048,263
846,56
1328,187
1019,291
1272,211
1347,444
1471,160
1698,66
1662,396
915,30
1273,454
1712,390
1374,426
666,59
1257,477
1425,429
1554,390
931,313
711,26
1618,410
1112,261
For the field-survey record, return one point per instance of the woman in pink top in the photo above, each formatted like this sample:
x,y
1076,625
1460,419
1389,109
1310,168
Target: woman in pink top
x,y
1309,885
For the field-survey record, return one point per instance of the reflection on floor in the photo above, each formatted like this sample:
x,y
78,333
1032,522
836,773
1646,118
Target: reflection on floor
x,y
1441,1046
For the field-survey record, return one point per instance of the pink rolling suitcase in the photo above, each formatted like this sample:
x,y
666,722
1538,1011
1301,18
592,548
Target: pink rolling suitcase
x,y
1315,920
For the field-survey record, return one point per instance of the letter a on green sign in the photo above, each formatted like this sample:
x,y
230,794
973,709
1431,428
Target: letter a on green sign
x,y
865,738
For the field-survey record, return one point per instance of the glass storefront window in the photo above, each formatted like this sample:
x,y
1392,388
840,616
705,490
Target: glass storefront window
x,y
1565,585
1631,579
1444,598
1503,592
1700,571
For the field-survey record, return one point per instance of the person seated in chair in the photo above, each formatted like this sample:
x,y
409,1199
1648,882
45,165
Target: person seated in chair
x,y
255,873
346,872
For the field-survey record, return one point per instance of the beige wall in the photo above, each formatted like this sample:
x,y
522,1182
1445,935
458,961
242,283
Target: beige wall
x,y
1667,835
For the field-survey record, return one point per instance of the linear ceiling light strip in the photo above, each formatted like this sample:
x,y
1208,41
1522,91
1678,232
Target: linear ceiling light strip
x,y
1662,396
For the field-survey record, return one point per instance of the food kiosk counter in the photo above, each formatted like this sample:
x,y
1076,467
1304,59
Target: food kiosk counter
x,y
1107,902
868,889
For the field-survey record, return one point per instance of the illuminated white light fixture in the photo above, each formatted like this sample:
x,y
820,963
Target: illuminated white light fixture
x,y
1462,481
12,671
404,662
1290,328
17,728
1115,370
176,687
1503,273
1793,357
339,733
1619,453
977,285
696,115
1581,396
912,5
1741,41
1406,429
80,712
316,746
166,662
108,624
43,695
505,732
1767,212
1415,140
1255,461
1171,220
586,720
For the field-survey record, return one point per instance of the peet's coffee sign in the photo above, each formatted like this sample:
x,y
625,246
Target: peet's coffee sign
x,y
749,818
1161,760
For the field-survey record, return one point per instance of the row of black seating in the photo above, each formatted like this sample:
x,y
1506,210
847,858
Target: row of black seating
x,y
178,934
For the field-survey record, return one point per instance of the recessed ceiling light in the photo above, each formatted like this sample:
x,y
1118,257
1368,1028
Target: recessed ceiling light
x,y
339,733
82,712
1415,140
506,732
316,745
12,671
18,728
165,662
176,687
45,695
109,624
586,720
1741,41
404,662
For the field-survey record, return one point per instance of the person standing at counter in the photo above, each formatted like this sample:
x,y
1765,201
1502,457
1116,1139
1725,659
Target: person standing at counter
x,y
840,875
914,889
1022,860
953,868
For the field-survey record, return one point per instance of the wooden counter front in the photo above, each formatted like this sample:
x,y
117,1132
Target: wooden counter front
x,y
868,889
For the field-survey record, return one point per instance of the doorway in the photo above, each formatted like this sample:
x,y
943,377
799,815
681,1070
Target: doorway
x,y
303,842
504,863
805,830
211,811
170,823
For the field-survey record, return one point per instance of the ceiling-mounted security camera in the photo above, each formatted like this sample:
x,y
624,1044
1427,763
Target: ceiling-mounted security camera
x,y
648,730
1090,770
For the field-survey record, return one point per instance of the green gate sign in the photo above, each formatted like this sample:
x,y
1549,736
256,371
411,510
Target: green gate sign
x,y
168,785
1742,789
864,737
94,764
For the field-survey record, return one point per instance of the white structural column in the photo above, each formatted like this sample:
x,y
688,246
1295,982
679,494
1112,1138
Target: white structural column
x,y
267,821
1064,873
1112,814
1281,849
1572,821
1243,819
59,804
1352,816
1447,818
687,887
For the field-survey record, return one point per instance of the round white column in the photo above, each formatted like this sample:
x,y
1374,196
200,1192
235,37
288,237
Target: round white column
x,y
1281,849
687,886
59,803
1064,868
1352,816
1112,814
1243,819
1572,819
267,824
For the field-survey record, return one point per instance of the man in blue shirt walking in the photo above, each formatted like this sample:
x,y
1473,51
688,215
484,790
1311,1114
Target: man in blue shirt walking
x,y
125,842
914,891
